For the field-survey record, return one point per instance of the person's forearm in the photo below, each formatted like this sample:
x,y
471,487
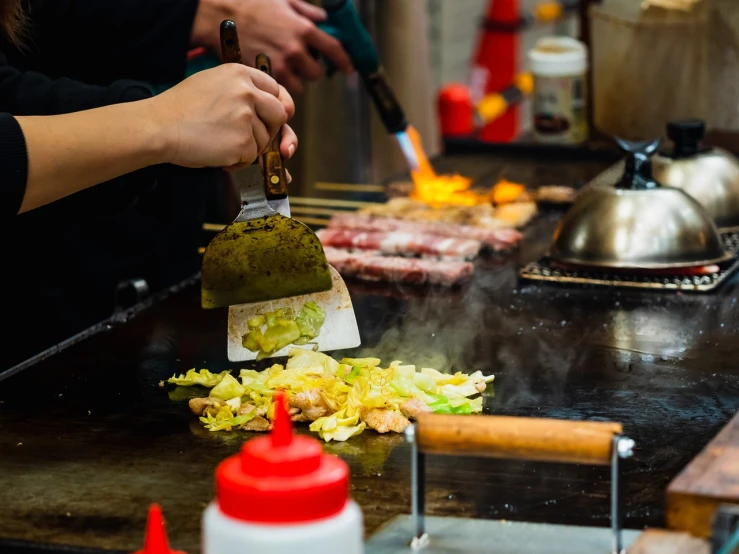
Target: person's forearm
x,y
69,153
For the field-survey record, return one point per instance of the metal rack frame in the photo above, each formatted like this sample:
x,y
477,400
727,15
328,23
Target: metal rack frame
x,y
622,447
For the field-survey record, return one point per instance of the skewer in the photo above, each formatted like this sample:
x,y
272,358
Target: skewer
x,y
331,202
312,220
318,211
214,227
350,187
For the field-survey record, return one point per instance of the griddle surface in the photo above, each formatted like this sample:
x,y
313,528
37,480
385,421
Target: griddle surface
x,y
88,439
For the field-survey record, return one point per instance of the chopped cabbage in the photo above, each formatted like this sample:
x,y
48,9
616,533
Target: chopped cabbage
x,y
257,322
228,388
346,389
282,329
222,419
362,362
307,358
338,426
203,378
234,403
310,320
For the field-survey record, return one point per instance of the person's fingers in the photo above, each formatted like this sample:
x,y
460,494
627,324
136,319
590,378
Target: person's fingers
x,y
288,177
309,11
287,102
264,82
236,167
329,47
262,136
270,111
289,142
302,62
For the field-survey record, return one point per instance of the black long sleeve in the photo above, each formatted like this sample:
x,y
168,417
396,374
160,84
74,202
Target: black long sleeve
x,y
31,93
72,253
100,41
13,166
97,41
34,94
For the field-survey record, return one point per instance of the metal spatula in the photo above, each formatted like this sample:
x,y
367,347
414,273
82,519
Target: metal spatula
x,y
265,196
262,255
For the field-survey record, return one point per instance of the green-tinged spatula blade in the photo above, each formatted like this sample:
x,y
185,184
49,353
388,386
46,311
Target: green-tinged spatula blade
x,y
263,259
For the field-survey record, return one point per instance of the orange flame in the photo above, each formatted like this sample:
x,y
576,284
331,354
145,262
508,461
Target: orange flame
x,y
436,190
439,189
506,192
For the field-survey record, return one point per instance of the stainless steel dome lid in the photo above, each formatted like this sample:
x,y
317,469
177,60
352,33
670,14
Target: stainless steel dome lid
x,y
710,175
637,223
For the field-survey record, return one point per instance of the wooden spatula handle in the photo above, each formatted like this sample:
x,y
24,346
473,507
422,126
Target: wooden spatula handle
x,y
521,438
275,179
230,49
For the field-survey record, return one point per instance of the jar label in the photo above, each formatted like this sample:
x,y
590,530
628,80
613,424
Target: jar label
x,y
559,110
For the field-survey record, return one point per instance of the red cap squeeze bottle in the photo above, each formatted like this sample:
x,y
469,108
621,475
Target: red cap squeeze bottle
x,y
282,494
155,540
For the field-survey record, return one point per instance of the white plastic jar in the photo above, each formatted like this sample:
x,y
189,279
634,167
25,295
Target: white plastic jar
x,y
282,495
559,66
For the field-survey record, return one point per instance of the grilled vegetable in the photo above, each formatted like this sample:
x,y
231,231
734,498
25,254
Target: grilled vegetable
x,y
282,329
340,399
203,378
310,320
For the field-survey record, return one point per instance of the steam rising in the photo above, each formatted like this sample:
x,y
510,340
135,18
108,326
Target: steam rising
x,y
485,326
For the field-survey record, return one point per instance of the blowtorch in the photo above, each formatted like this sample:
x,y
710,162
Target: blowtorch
x,y
344,24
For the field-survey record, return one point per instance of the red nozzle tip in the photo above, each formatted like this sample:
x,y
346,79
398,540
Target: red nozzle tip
x,y
282,429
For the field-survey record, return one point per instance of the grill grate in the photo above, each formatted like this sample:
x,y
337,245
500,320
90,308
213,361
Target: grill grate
x,y
542,270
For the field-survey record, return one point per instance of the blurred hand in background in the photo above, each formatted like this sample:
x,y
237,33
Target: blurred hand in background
x,y
285,30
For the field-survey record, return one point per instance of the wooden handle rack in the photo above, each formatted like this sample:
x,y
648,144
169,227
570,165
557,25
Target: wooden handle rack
x,y
548,440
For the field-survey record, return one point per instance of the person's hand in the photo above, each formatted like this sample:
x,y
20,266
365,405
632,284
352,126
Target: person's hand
x,y
224,117
285,30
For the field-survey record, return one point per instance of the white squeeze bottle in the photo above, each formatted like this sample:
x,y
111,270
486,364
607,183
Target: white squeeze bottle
x,y
282,495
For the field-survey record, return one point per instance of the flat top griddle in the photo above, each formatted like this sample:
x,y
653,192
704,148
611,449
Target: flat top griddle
x,y
88,438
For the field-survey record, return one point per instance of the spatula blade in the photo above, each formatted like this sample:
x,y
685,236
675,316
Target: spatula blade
x,y
263,259
281,206
339,330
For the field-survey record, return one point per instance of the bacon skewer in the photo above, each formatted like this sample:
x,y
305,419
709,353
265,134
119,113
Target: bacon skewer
x,y
494,239
401,243
370,266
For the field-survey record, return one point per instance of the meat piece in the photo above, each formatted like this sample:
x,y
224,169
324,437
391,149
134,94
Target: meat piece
x,y
517,214
401,243
395,206
382,420
481,386
371,267
199,405
312,405
494,239
556,194
438,214
483,216
258,424
414,407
